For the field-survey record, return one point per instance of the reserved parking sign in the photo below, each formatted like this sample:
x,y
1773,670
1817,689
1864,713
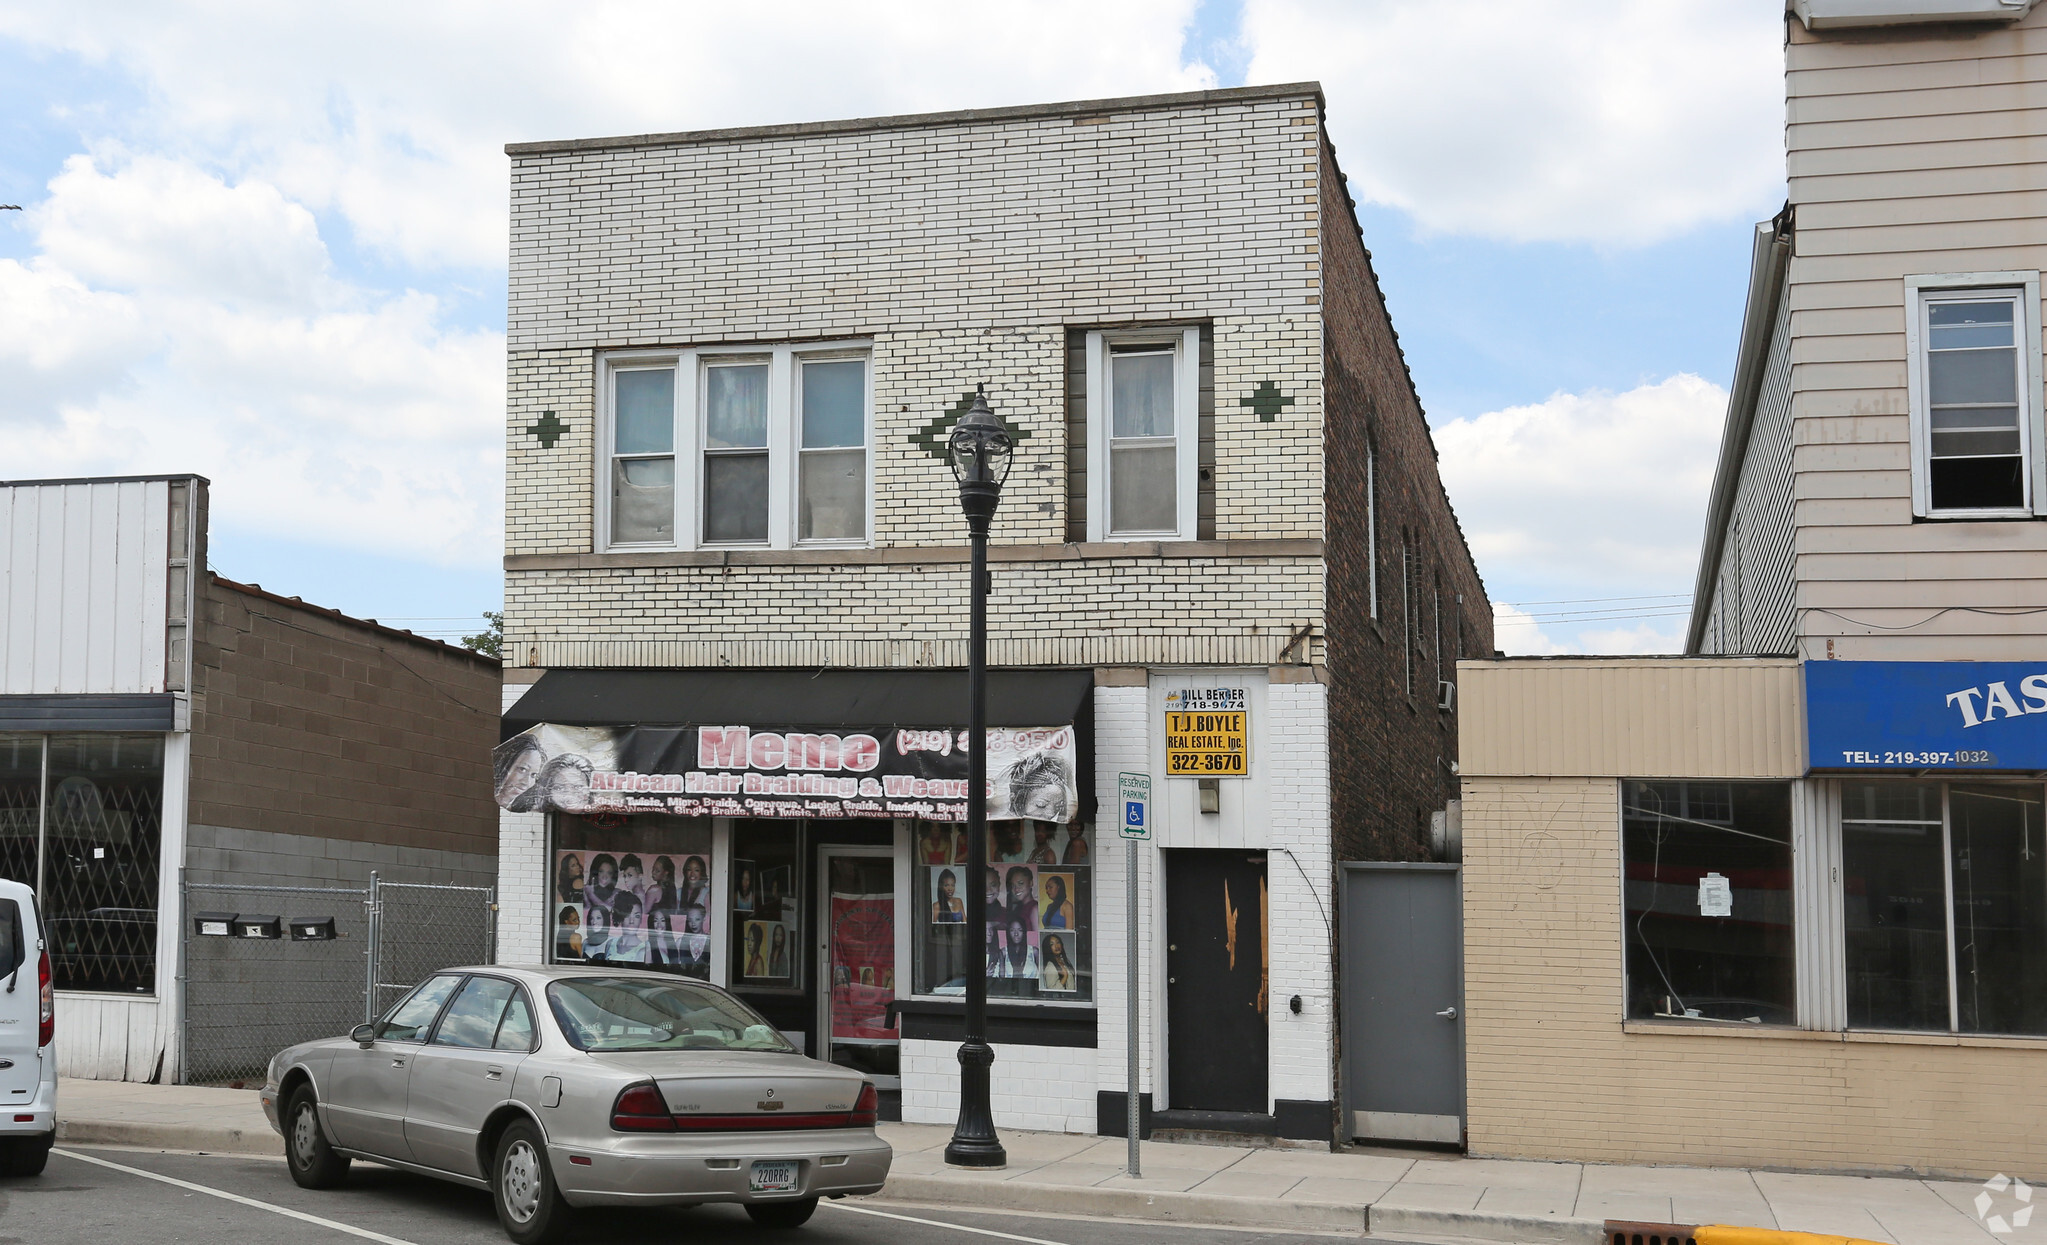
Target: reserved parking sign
x,y
1134,792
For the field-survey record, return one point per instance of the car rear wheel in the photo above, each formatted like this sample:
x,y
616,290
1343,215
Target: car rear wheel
x,y
25,1156
530,1204
782,1214
313,1163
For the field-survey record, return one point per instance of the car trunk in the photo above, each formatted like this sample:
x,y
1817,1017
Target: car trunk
x,y
762,1091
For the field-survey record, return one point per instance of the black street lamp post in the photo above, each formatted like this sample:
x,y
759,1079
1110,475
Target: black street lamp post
x,y
980,450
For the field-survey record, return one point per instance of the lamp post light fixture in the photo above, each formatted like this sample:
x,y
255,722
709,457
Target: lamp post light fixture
x,y
980,450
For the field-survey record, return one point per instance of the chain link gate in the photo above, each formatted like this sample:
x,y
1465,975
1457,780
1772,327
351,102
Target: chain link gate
x,y
247,997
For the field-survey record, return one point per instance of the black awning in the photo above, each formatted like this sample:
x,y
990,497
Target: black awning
x,y
917,699
112,711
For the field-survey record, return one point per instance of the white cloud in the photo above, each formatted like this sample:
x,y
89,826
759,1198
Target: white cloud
x,y
1543,119
1598,489
394,115
317,408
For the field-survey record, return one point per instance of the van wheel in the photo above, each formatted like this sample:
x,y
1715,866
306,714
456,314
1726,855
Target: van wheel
x,y
313,1163
26,1156
779,1215
530,1205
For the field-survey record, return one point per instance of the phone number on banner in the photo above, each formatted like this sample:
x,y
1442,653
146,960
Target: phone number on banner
x,y
1919,758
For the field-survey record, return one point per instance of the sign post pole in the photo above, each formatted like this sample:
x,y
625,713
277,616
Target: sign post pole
x,y
1135,793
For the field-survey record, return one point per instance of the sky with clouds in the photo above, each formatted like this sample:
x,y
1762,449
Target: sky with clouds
x,y
267,243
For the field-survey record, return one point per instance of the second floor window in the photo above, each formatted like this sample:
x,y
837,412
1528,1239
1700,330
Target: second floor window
x,y
1143,434
1975,400
762,447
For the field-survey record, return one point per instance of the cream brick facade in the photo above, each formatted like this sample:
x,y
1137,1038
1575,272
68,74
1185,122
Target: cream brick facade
x,y
963,250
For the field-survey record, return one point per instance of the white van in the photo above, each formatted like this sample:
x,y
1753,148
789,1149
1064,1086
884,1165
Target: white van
x,y
28,1025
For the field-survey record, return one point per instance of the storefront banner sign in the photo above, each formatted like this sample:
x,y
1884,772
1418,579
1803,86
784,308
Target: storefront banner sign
x,y
1965,715
753,771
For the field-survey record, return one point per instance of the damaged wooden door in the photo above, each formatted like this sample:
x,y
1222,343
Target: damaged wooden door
x,y
1218,981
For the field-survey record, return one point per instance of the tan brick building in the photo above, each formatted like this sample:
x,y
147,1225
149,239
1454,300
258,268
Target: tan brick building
x,y
735,356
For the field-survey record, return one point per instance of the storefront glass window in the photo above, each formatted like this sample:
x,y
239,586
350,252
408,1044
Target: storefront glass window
x,y
632,889
1039,936
1945,890
767,905
1894,905
1708,891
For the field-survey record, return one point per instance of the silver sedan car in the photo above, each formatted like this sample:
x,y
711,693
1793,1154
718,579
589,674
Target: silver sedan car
x,y
560,1087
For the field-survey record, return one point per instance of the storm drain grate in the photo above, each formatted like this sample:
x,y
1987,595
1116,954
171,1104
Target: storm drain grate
x,y
1620,1233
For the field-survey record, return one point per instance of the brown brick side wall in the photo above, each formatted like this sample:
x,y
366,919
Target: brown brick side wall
x,y
1389,749
308,724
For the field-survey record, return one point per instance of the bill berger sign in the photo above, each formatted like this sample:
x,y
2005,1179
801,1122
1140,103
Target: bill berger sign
x,y
748,771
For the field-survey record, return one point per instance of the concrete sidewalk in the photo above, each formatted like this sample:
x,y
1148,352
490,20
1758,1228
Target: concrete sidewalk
x,y
1388,1193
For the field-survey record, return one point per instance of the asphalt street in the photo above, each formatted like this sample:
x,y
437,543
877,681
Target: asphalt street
x,y
134,1197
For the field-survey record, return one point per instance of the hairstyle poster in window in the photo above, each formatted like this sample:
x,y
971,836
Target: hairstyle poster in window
x,y
1058,962
948,903
774,892
746,887
1056,901
1073,851
640,887
940,844
1019,953
1020,895
568,932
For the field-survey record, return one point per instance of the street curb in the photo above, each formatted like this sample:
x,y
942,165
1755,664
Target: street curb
x,y
1206,1208
1479,1226
1156,1204
168,1137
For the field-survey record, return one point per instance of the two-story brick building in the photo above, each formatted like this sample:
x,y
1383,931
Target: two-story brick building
x,y
736,588
1777,902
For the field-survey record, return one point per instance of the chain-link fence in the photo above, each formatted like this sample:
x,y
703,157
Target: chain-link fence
x,y
261,971
422,929
246,998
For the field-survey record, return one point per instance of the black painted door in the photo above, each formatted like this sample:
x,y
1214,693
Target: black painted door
x,y
1217,983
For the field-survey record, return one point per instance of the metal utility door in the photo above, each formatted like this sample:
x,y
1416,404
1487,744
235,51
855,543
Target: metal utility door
x,y
1217,981
1403,997
856,962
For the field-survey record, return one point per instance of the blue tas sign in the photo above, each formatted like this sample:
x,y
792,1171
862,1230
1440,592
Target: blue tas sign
x,y
1986,715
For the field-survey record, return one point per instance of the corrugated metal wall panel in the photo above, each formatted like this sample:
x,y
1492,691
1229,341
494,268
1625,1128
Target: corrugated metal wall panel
x,y
1655,718
1752,608
83,578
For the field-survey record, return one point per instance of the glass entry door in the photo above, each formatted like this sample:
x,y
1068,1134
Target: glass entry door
x,y
857,957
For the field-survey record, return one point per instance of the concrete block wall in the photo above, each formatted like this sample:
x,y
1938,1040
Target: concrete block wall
x,y
1043,1088
246,999
307,723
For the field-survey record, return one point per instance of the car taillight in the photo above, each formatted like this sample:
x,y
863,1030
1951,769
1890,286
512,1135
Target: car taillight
x,y
641,1109
867,1108
46,1027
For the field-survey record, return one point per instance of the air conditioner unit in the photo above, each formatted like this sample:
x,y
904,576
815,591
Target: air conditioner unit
x,y
1446,694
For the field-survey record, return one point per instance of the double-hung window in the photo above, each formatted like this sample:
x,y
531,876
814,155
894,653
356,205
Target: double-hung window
x,y
1973,345
732,448
1143,434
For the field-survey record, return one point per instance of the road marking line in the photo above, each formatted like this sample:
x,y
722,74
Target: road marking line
x,y
286,1211
939,1223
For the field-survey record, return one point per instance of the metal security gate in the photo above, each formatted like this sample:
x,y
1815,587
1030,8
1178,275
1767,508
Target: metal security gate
x,y
264,967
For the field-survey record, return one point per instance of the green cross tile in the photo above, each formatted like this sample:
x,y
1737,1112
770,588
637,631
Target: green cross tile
x,y
1266,400
933,437
547,429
